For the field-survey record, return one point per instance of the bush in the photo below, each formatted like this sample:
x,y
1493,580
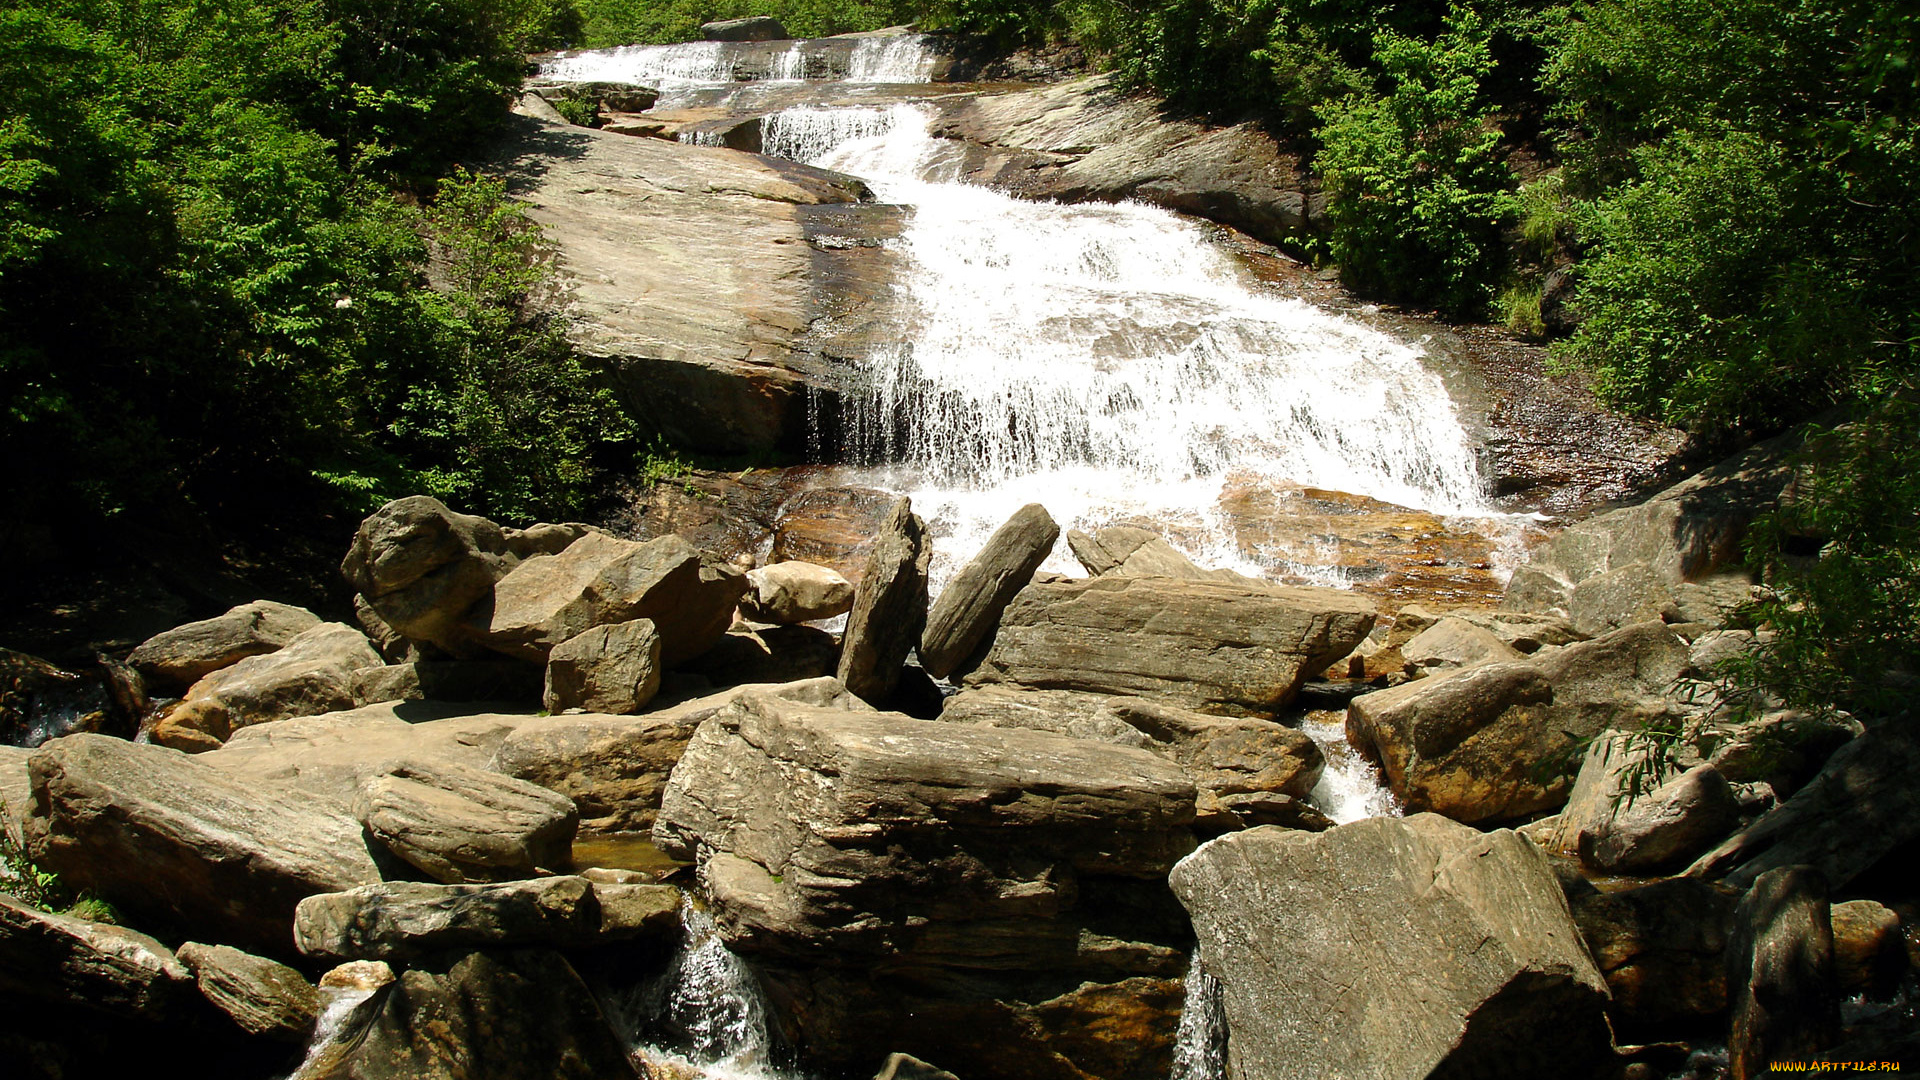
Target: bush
x,y
1417,190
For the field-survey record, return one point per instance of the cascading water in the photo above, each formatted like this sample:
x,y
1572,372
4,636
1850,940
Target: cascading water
x,y
892,58
711,1006
1200,1044
1349,789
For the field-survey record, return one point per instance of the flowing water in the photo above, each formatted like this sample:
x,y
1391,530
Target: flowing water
x,y
1200,1045
707,1016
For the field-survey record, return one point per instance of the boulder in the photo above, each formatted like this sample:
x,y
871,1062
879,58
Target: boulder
x,y
613,668
505,1014
969,608
449,680
1780,977
614,767
1527,632
1467,744
181,656
908,1067
1393,948
795,592
1860,808
1454,643
421,568
99,966
989,898
1213,646
753,28
313,673
1869,954
173,838
455,823
799,815
264,997
889,607
1245,771
1662,948
1126,551
404,920
773,654
598,580
1625,817
1621,597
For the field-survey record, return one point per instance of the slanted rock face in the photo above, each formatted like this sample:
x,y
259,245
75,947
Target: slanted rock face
x,y
97,965
689,596
1004,868
514,1014
1214,646
969,608
315,673
889,607
263,997
181,656
167,836
460,824
1126,551
795,592
421,567
1665,821
607,669
1393,948
401,920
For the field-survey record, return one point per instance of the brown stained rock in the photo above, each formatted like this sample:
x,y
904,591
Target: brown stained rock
x,y
1622,817
1210,645
264,997
608,669
1454,643
95,965
969,608
1662,948
170,837
1127,551
405,920
458,824
889,606
313,673
181,656
832,527
1869,954
1393,948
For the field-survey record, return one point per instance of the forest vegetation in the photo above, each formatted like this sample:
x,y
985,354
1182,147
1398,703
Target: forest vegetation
x,y
222,224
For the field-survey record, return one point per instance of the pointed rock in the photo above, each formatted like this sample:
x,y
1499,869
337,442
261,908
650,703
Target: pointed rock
x,y
968,610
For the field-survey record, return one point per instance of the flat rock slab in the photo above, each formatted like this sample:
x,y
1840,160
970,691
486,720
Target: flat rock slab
x,y
96,965
460,824
313,673
400,920
1393,948
182,655
171,837
1207,645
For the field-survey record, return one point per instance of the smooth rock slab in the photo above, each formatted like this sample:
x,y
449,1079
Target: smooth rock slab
x,y
400,920
460,824
1393,948
313,674
76,961
183,655
1212,646
161,834
263,997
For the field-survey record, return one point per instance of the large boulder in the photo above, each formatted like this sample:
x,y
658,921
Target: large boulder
x,y
599,579
421,568
314,673
181,656
1625,816
1245,771
984,897
100,966
795,592
170,837
1662,948
1780,977
607,669
969,608
506,1014
615,767
1128,551
889,606
263,997
1393,948
1214,646
1454,643
1869,950
455,823
403,920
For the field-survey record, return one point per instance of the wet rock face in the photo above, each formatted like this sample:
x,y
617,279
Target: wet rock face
x,y
1213,646
1393,948
974,895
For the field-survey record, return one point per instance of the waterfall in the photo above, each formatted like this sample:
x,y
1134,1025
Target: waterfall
x,y
896,58
1112,363
708,1008
331,1032
647,65
803,134
1200,1046
700,138
1350,787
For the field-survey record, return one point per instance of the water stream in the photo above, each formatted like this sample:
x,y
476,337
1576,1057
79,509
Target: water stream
x,y
707,1016
1200,1044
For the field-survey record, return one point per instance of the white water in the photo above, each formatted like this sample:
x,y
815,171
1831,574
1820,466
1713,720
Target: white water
x,y
1200,1045
340,1005
1351,787
895,58
712,998
1113,364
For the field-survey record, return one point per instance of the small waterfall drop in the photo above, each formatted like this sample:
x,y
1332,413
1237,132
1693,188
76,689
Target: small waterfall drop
x,y
329,1029
694,137
647,65
893,58
1350,788
1200,1045
710,1004
803,134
